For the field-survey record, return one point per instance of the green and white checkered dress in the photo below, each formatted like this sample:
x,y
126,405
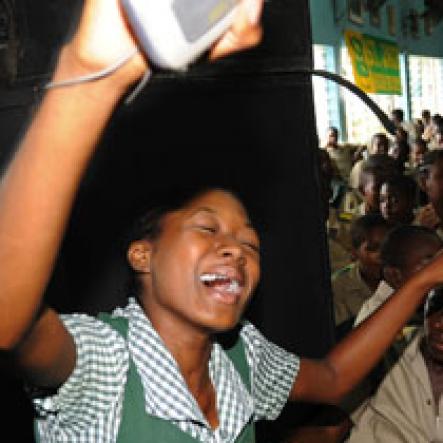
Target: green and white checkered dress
x,y
87,408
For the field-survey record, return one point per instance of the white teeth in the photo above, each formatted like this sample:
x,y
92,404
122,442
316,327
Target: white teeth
x,y
210,277
233,287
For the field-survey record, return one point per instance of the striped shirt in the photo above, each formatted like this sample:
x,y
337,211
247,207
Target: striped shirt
x,y
88,407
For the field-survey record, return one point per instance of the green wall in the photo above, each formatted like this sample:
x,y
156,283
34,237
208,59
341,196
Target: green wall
x,y
328,26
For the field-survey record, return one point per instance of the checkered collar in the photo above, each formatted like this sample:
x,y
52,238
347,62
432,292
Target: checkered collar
x,y
165,390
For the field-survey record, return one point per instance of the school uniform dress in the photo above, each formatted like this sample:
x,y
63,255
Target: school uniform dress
x,y
126,387
403,409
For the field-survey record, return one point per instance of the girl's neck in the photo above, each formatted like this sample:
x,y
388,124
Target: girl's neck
x,y
191,348
189,345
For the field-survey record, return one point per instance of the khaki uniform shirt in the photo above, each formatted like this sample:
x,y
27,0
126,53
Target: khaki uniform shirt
x,y
354,175
350,292
403,409
342,159
339,257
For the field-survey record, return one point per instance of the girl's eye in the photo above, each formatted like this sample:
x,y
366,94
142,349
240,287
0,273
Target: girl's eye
x,y
207,228
252,246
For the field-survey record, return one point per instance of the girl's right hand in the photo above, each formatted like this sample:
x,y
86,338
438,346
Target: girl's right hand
x,y
103,36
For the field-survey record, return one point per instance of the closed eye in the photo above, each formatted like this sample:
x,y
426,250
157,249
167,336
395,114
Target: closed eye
x,y
207,228
254,247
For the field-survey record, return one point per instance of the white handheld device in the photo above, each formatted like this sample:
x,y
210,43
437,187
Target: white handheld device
x,y
173,33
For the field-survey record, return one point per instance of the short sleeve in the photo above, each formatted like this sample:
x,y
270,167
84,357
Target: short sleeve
x,y
95,386
274,371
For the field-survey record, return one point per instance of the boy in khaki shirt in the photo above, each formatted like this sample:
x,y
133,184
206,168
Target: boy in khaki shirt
x,y
354,284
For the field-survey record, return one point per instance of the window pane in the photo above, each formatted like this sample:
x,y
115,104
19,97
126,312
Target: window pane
x,y
325,92
426,84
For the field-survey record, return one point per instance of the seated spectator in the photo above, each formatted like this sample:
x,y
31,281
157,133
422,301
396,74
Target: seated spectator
x,y
426,117
397,200
418,129
341,162
406,130
379,145
438,135
397,117
405,250
430,129
375,170
407,404
399,151
432,180
418,150
354,284
338,255
401,135
420,173
340,154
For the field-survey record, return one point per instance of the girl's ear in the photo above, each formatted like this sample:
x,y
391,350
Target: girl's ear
x,y
139,256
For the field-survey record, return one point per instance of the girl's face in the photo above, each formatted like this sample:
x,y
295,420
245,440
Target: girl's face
x,y
203,267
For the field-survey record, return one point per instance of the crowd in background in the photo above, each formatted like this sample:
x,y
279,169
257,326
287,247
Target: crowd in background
x,y
384,212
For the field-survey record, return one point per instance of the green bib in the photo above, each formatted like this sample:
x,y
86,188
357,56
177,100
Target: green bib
x,y
138,426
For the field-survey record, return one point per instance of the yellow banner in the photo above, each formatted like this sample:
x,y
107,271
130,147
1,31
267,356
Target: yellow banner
x,y
375,63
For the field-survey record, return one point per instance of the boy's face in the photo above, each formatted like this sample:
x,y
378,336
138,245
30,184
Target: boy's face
x,y
417,153
434,335
434,186
394,206
380,145
420,251
368,254
371,193
394,151
332,137
419,254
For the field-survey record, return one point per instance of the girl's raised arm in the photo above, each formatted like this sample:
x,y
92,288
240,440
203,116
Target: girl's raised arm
x,y
39,187
328,380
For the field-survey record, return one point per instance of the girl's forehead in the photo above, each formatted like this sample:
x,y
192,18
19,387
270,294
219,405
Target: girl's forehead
x,y
220,204
218,201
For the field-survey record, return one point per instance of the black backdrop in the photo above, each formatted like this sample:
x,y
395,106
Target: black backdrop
x,y
246,122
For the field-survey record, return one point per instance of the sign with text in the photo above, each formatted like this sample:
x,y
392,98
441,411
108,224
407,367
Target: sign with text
x,y
375,63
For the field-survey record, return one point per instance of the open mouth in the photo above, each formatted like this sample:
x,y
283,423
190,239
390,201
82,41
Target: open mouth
x,y
226,286
221,283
